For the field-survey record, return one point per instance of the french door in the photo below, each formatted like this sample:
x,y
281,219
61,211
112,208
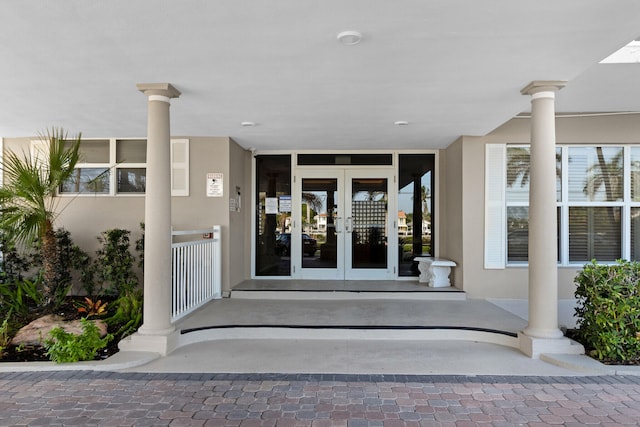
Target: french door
x,y
343,224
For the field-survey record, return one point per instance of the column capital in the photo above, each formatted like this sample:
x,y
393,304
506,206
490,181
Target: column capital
x,y
161,89
543,86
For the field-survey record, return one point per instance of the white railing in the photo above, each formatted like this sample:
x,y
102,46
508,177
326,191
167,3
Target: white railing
x,y
197,275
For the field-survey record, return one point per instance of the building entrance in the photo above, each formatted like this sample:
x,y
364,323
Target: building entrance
x,y
342,224
343,216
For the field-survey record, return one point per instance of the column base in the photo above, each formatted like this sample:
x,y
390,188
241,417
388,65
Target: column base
x,y
534,347
161,344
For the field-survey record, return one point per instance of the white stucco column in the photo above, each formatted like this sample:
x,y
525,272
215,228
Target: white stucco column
x,y
157,218
543,234
542,333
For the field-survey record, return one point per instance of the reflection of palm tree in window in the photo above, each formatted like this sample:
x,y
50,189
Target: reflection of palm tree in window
x,y
519,166
605,174
314,203
518,160
425,194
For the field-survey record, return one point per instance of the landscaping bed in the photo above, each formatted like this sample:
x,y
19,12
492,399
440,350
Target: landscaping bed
x,y
68,311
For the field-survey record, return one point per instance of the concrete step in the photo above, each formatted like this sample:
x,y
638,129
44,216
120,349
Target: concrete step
x,y
347,332
441,294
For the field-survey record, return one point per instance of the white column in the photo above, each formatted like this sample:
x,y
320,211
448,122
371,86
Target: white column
x,y
543,234
157,218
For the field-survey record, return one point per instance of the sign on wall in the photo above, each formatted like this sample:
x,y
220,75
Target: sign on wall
x,y
214,185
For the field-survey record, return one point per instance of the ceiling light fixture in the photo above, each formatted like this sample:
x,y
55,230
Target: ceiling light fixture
x,y
401,123
247,124
349,38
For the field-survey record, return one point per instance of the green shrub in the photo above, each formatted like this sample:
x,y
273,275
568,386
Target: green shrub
x,y
5,336
140,247
608,311
21,296
64,347
114,263
128,315
13,265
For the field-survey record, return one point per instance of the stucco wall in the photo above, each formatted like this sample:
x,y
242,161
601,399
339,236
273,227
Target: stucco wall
x,y
465,163
450,188
239,221
86,216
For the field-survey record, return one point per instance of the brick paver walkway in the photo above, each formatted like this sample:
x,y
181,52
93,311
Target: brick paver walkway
x,y
136,399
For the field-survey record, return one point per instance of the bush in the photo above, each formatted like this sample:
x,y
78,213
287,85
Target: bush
x,y
64,347
20,297
114,263
128,316
608,311
5,336
13,265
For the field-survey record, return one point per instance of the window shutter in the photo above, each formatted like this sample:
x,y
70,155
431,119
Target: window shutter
x,y
179,167
494,194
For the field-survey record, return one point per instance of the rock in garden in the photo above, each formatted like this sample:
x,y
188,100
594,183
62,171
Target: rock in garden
x,y
36,332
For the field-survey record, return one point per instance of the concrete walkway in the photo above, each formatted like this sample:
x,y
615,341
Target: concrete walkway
x,y
469,337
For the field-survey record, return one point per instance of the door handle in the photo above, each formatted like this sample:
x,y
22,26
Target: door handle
x,y
348,225
337,225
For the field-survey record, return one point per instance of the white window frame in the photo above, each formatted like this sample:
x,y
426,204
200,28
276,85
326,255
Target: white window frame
x,y
492,173
112,166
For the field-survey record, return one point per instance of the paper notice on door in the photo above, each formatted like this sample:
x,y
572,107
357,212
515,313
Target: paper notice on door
x,y
285,204
271,205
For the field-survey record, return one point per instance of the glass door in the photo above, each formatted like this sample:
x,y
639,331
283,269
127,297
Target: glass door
x,y
341,227
368,225
318,237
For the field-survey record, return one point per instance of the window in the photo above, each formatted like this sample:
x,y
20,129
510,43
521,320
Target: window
x,y
273,181
598,202
415,210
130,167
118,167
517,201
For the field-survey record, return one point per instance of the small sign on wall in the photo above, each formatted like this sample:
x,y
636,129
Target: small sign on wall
x,y
214,185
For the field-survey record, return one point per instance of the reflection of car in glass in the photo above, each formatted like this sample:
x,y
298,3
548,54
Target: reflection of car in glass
x,y
283,244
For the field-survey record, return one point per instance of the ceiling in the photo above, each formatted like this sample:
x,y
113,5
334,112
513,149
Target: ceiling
x,y
449,67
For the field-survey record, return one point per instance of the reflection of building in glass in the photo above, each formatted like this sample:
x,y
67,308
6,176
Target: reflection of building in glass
x,y
405,226
403,229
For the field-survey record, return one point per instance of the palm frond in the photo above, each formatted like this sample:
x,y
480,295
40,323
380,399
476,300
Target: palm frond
x,y
27,197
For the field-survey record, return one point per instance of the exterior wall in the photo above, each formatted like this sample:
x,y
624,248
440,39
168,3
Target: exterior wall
x,y
450,188
465,163
239,266
206,155
86,216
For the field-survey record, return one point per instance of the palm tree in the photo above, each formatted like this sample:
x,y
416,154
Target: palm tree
x,y
27,198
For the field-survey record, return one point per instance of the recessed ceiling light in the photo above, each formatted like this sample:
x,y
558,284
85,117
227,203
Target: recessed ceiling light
x,y
247,124
401,123
349,38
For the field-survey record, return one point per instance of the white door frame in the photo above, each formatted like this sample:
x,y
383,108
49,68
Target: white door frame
x,y
344,269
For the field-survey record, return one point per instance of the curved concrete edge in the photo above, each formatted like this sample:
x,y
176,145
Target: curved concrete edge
x,y
347,334
584,363
120,360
